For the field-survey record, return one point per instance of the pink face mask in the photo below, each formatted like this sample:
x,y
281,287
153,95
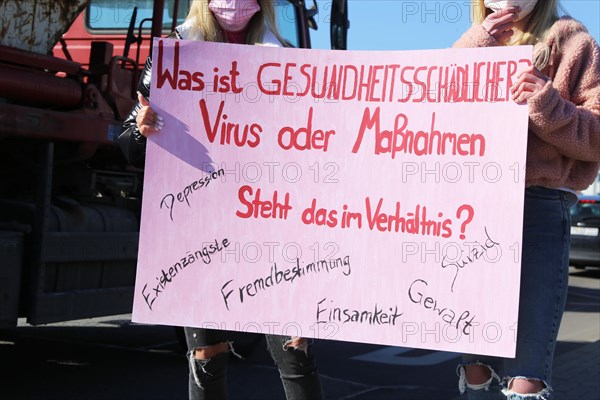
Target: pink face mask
x,y
525,6
233,15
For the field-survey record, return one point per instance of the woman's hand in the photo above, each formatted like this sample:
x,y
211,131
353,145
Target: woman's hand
x,y
147,120
528,83
499,24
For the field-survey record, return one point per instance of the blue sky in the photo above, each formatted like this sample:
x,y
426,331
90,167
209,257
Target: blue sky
x,y
425,24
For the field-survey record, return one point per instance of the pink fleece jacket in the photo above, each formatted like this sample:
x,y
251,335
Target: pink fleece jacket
x,y
563,148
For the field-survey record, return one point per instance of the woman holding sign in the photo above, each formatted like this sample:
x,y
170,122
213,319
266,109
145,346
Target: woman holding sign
x,y
562,90
240,22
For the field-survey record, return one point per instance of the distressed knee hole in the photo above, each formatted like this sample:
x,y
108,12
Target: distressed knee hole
x,y
208,352
201,358
296,343
476,376
532,387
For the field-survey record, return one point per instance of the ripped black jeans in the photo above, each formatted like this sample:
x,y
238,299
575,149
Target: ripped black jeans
x,y
208,378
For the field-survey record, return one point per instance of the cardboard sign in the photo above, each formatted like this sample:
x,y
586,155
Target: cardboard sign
x,y
362,196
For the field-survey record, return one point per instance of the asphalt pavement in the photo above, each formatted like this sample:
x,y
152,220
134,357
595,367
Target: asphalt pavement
x,y
111,358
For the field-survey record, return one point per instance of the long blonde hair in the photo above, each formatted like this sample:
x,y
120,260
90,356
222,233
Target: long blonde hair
x,y
544,14
207,27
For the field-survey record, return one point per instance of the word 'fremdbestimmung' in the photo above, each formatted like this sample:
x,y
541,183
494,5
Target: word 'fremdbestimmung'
x,y
291,275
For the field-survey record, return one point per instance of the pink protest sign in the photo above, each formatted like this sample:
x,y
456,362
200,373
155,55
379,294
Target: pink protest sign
x,y
362,196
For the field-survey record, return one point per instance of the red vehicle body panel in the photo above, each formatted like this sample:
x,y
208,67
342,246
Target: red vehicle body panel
x,y
78,41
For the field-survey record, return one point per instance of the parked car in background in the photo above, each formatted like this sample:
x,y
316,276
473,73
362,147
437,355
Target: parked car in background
x,y
585,232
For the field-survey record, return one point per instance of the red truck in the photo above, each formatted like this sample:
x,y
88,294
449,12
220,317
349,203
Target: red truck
x,y
69,203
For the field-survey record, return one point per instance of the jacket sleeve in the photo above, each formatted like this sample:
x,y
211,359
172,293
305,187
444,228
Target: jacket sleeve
x,y
476,36
566,112
131,141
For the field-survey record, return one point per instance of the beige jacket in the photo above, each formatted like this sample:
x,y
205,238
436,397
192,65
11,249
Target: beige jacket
x,y
564,117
